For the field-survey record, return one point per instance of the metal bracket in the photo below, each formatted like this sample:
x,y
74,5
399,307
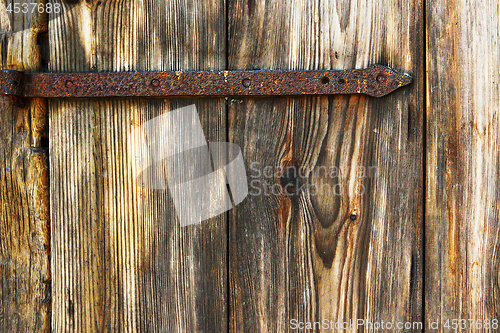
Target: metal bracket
x,y
375,80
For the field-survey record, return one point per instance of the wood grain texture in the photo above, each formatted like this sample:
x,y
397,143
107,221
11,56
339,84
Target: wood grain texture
x,y
345,242
25,282
121,261
463,126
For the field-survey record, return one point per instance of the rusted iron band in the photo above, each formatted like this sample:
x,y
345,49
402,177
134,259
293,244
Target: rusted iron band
x,y
375,81
11,83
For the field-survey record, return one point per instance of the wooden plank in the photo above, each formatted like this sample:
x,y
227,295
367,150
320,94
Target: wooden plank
x,y
25,295
121,261
462,211
25,282
346,243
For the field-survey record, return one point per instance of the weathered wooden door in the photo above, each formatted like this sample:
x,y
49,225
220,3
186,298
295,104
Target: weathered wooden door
x,y
389,215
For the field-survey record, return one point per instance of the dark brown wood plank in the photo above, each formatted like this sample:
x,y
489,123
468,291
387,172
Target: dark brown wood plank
x,y
346,241
463,165
121,261
25,282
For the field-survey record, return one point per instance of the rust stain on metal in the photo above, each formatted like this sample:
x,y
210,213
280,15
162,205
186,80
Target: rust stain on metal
x,y
11,83
375,80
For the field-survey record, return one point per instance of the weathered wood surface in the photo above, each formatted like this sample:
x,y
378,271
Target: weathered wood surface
x,y
347,242
344,243
25,299
120,260
463,170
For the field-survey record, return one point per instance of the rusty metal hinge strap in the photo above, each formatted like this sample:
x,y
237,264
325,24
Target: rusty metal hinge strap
x,y
375,80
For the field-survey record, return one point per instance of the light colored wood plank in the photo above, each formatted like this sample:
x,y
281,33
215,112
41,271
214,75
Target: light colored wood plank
x,y
462,214
300,256
121,261
25,282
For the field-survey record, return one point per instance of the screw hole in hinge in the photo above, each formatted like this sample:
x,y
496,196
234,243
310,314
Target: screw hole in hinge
x,y
381,78
245,83
325,80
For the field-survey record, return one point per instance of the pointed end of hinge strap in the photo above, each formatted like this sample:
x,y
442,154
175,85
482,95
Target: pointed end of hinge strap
x,y
382,80
11,83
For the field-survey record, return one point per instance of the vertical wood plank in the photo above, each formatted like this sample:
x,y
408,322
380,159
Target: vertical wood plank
x,y
25,281
121,260
25,295
345,241
462,214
